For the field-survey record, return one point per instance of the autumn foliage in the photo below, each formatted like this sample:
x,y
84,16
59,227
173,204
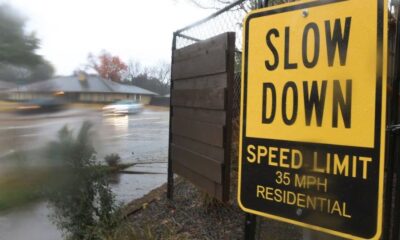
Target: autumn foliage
x,y
155,78
108,66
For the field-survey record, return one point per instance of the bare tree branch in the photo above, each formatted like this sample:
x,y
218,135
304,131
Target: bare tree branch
x,y
219,4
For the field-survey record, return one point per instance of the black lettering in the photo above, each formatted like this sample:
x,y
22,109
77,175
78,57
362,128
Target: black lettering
x,y
288,65
314,100
270,119
292,120
314,61
271,46
337,39
339,101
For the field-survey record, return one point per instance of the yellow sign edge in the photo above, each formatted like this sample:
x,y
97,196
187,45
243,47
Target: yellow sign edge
x,y
382,135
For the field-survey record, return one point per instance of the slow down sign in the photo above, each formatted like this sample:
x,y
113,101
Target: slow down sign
x,y
313,115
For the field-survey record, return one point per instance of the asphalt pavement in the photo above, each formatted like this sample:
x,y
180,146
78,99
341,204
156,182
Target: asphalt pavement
x,y
139,137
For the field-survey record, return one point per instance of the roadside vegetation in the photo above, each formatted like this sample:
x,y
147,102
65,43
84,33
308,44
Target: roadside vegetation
x,y
75,184
21,187
85,208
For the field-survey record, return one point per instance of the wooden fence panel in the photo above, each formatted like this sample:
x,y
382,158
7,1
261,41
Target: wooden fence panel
x,y
211,134
205,98
202,115
201,93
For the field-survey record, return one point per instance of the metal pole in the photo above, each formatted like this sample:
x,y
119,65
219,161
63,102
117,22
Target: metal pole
x,y
170,184
250,227
392,193
394,136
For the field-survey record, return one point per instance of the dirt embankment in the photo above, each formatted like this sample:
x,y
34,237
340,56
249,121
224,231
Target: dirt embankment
x,y
193,215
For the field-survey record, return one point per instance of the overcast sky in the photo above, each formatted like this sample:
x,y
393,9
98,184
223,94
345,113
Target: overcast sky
x,y
132,29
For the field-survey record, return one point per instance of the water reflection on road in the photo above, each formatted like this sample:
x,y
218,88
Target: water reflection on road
x,y
30,222
139,138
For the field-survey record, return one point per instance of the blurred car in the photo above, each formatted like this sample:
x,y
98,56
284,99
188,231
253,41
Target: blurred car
x,y
123,107
41,105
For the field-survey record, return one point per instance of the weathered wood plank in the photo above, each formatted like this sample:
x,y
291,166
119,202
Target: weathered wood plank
x,y
201,115
201,164
206,98
212,188
191,51
212,152
211,81
200,121
204,132
211,62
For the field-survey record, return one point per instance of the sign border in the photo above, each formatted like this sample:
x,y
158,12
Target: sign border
x,y
380,117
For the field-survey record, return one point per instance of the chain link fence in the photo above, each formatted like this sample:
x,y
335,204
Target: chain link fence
x,y
228,19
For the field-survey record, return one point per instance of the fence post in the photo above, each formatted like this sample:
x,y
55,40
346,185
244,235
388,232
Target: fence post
x,y
250,227
392,195
170,175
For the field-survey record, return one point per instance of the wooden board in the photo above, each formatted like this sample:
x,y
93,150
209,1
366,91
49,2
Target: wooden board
x,y
200,122
212,152
208,63
203,165
211,134
204,82
212,188
191,51
202,115
206,98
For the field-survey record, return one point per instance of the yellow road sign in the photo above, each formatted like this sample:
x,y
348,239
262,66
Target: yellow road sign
x,y
313,115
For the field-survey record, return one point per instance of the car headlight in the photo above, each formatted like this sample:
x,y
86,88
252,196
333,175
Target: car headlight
x,y
28,107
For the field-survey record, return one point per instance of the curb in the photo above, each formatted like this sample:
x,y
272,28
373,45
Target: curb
x,y
141,203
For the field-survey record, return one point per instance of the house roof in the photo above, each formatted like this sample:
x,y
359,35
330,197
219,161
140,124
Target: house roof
x,y
92,84
7,85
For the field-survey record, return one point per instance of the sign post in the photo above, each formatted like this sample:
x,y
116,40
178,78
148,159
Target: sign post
x,y
313,115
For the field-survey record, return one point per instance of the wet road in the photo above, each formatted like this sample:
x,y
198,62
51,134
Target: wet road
x,y
142,137
136,138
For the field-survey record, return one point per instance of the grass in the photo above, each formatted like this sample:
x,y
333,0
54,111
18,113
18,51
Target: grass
x,y
22,186
148,231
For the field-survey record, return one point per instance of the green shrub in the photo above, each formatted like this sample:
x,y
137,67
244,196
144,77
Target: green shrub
x,y
84,206
113,159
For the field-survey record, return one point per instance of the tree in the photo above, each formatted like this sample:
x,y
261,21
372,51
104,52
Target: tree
x,y
24,75
155,78
16,46
135,68
108,66
41,72
219,4
19,61
162,72
210,4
